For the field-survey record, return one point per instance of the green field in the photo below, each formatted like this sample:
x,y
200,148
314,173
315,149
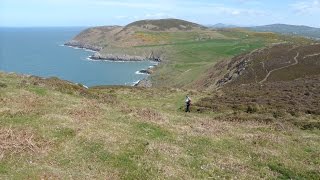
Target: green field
x,y
54,130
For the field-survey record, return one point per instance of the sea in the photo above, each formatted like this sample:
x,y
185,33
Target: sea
x,y
40,52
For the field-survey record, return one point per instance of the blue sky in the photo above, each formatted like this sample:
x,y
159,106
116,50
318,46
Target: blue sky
x,y
26,13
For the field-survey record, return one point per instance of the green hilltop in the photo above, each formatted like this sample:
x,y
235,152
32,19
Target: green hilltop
x,y
165,25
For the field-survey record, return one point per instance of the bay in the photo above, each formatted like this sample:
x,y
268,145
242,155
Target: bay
x,y
40,52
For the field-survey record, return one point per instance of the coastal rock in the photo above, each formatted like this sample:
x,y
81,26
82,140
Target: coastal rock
x,y
146,71
152,56
125,57
78,44
114,57
144,83
156,56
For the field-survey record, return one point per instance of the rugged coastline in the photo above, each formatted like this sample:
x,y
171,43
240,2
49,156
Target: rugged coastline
x,y
97,56
77,44
116,57
111,57
146,82
125,57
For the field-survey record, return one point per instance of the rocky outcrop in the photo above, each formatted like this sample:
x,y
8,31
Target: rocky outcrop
x,y
115,57
236,68
146,71
144,83
77,44
150,70
125,57
156,56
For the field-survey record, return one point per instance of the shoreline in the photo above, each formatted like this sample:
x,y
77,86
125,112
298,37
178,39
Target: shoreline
x,y
77,44
115,59
79,48
110,57
122,58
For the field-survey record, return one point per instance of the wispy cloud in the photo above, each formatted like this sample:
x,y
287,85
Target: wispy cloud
x,y
306,7
129,4
248,1
186,6
159,15
72,12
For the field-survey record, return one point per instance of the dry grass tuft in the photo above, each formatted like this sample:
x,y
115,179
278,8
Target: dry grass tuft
x,y
23,103
166,149
87,110
210,127
17,142
204,126
145,114
148,114
262,139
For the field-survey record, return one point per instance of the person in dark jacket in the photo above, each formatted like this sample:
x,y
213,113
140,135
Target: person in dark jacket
x,y
188,103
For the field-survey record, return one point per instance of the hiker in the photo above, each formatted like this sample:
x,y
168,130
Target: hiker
x,y
188,103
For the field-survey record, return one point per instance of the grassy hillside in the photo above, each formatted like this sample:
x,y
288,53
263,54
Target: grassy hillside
x,y
189,62
51,129
281,79
282,62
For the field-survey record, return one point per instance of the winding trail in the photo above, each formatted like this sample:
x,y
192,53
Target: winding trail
x,y
311,55
295,63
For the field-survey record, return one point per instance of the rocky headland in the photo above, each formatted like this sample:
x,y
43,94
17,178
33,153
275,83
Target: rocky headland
x,y
123,57
77,44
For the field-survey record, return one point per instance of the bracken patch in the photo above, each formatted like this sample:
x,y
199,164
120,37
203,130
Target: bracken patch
x,y
89,110
20,141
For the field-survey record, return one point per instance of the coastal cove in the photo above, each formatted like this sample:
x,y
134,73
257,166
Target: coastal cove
x,y
40,52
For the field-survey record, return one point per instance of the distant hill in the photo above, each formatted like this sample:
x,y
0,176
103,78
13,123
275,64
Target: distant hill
x,y
306,31
222,26
165,25
119,43
98,38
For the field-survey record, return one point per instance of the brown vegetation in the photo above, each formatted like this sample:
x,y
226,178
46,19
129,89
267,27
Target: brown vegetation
x,y
15,142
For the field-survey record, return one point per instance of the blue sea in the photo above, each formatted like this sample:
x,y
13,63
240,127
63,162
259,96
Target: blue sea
x,y
40,52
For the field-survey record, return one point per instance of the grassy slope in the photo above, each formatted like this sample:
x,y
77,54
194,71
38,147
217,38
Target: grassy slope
x,y
189,60
50,129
